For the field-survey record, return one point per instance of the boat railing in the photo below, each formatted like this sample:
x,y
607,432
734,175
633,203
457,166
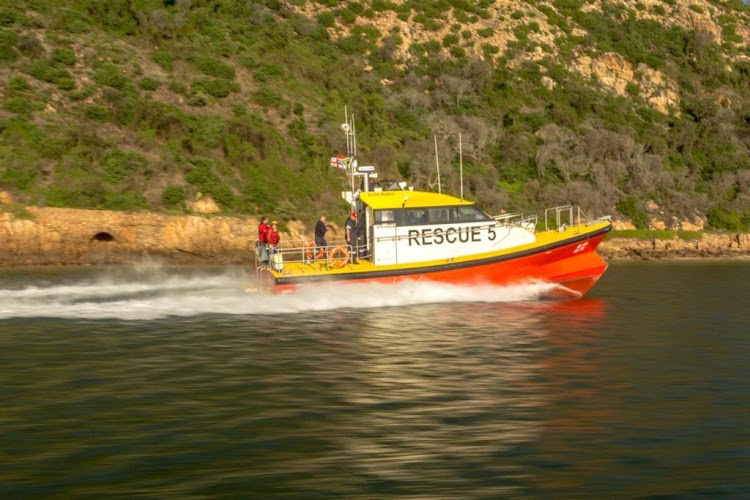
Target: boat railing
x,y
311,257
526,221
562,217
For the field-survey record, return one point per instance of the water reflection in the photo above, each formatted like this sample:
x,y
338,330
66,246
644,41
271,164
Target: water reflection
x,y
424,391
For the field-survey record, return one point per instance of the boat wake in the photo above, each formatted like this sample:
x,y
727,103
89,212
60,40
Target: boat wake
x,y
147,298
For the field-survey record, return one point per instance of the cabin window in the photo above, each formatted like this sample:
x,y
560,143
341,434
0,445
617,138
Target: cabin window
x,y
416,216
439,215
384,216
470,213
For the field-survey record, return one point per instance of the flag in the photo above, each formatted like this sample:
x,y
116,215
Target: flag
x,y
340,161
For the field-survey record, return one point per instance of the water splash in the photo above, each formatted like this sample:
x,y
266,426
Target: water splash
x,y
156,294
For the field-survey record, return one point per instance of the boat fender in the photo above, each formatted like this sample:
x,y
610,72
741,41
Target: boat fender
x,y
339,257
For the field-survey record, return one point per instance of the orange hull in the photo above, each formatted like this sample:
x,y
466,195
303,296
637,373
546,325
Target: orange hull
x,y
574,266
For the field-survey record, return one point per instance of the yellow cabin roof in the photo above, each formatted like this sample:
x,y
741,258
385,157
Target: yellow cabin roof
x,y
383,200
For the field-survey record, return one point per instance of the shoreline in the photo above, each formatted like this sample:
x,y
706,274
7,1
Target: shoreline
x,y
76,237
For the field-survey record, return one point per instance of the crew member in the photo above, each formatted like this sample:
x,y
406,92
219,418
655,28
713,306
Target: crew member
x,y
261,247
273,235
263,228
350,228
320,231
360,237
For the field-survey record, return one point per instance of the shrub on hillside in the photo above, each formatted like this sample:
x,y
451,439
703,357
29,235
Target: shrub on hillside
x,y
18,105
82,94
111,76
124,200
8,41
149,83
64,55
7,17
450,40
19,177
267,97
197,100
18,84
120,164
215,87
726,220
203,176
214,67
173,195
163,59
98,113
631,207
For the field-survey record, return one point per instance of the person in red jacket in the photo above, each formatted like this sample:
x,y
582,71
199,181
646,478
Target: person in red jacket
x,y
263,230
273,235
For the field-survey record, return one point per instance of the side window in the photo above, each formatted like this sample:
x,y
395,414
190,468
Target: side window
x,y
439,215
384,216
416,217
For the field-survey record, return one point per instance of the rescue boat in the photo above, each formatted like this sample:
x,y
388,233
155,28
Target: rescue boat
x,y
417,235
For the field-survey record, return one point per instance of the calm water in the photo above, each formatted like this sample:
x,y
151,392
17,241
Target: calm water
x,y
150,382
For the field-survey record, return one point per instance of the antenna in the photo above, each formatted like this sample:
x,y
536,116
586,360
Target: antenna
x,y
351,145
461,164
437,163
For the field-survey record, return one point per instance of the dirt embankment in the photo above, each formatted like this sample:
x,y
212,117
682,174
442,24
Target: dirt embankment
x,y
60,236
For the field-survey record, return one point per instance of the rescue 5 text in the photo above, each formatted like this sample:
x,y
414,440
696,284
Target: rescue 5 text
x,y
438,236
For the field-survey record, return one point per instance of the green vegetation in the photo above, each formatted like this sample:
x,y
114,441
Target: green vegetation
x,y
18,210
132,105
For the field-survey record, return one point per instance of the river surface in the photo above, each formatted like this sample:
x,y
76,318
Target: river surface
x,y
151,382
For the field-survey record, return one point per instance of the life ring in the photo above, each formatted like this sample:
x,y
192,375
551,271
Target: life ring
x,y
310,251
338,258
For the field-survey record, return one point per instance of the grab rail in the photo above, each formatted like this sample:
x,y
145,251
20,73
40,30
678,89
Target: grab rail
x,y
305,252
565,215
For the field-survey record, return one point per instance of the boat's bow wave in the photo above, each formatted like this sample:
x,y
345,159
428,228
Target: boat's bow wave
x,y
192,296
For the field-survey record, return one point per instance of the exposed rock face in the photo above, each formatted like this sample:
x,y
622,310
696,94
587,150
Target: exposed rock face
x,y
57,236
68,236
615,73
710,245
204,205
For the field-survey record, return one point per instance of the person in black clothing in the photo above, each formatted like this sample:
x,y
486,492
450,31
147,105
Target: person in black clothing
x,y
350,228
360,236
320,232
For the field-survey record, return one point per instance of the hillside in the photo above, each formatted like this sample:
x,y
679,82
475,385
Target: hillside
x,y
639,109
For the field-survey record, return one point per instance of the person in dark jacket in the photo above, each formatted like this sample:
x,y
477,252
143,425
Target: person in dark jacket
x,y
360,236
320,231
350,229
